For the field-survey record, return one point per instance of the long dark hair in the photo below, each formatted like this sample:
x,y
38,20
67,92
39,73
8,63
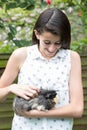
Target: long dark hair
x,y
56,22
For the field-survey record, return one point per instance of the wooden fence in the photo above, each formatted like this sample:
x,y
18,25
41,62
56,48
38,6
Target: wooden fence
x,y
6,112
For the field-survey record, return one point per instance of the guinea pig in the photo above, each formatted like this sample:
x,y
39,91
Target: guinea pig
x,y
44,101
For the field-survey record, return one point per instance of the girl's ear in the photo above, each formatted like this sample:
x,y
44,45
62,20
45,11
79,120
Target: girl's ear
x,y
37,34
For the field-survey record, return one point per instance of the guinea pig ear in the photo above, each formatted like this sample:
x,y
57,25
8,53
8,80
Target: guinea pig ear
x,y
37,34
48,95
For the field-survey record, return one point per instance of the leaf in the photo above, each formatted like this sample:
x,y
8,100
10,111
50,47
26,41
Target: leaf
x,y
30,7
4,1
27,4
2,25
12,29
21,43
10,36
22,5
11,5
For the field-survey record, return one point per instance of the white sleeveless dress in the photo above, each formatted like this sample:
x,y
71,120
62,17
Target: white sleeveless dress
x,y
49,74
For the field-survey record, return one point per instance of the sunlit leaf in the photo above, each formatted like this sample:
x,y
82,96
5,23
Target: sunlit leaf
x,y
21,43
12,29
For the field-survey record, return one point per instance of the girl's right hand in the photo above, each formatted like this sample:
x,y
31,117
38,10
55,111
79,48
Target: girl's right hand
x,y
24,91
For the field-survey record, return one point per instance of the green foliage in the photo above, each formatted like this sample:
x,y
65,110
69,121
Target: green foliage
x,y
17,18
80,46
2,25
21,43
12,32
8,48
15,14
10,4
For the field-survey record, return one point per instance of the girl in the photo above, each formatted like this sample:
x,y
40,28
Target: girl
x,y
49,64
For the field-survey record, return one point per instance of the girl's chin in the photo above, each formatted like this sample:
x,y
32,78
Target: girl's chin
x,y
50,55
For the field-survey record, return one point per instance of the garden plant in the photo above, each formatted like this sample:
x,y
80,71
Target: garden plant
x,y
17,18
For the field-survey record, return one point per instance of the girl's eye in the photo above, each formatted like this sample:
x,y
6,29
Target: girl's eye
x,y
47,42
58,43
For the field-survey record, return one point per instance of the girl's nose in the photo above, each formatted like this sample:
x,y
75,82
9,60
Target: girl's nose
x,y
52,48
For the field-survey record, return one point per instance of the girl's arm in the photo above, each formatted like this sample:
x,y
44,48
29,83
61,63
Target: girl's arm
x,y
9,75
11,71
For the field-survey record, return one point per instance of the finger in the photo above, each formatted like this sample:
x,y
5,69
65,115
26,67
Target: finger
x,y
33,92
26,97
35,88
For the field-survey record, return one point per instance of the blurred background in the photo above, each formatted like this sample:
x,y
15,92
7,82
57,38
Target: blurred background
x,y
17,18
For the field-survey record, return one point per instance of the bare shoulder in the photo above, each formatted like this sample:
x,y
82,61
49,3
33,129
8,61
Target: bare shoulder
x,y
18,56
20,52
75,56
75,59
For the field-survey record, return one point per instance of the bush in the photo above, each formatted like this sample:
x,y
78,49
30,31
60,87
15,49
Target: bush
x,y
17,18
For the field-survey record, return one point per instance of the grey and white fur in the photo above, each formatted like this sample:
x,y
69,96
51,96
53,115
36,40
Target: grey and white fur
x,y
44,101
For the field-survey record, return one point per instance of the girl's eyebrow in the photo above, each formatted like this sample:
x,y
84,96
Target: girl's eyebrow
x,y
49,41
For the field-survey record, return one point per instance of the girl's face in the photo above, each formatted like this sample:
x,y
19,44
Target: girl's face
x,y
49,44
